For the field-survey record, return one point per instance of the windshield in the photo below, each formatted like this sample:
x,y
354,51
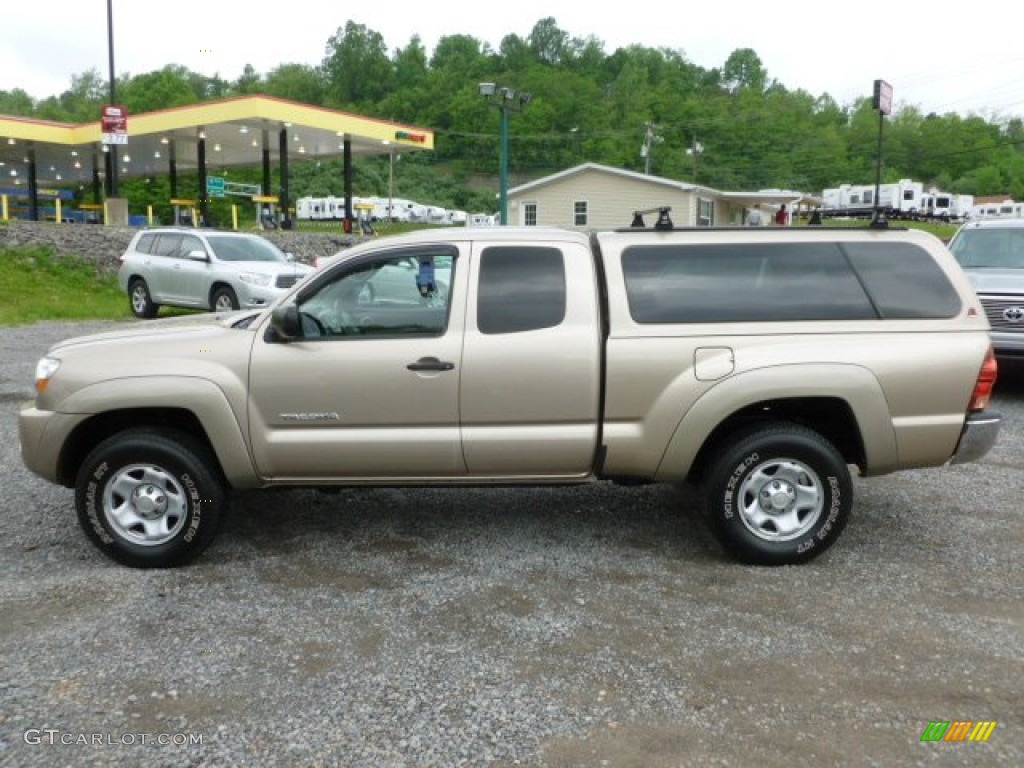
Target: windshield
x,y
228,248
995,248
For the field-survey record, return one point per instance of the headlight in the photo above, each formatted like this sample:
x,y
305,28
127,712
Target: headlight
x,y
255,278
45,369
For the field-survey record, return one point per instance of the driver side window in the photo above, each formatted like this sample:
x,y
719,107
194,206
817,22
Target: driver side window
x,y
400,294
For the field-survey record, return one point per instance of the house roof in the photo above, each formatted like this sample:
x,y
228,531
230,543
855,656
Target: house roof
x,y
586,167
766,196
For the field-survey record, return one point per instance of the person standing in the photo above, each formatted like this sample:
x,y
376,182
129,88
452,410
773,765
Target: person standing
x,y
782,216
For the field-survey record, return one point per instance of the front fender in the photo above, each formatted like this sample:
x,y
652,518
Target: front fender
x,y
223,424
855,385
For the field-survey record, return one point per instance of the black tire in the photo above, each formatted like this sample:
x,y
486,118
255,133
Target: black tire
x,y
224,300
150,499
140,301
780,495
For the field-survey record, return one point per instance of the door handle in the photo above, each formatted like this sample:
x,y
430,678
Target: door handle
x,y
430,364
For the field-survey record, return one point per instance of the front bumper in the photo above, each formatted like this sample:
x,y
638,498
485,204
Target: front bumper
x,y
1008,343
978,436
42,435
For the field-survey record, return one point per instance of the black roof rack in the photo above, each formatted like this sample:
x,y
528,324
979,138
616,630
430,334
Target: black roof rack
x,y
663,222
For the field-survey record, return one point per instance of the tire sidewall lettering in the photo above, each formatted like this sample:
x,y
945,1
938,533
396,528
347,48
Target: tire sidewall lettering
x,y
728,499
194,506
835,505
92,490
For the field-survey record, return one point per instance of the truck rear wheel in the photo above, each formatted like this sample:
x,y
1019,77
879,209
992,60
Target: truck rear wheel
x,y
149,499
780,495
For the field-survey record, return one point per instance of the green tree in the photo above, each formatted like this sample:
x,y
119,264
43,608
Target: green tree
x,y
16,102
357,68
548,42
743,69
248,82
167,87
204,87
82,103
411,65
298,82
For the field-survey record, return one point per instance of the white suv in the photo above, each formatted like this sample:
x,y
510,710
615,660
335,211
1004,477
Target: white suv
x,y
991,251
206,270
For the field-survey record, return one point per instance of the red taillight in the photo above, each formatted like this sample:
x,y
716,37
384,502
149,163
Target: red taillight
x,y
985,384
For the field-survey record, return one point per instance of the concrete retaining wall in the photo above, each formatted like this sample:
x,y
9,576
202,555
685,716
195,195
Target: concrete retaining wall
x,y
104,245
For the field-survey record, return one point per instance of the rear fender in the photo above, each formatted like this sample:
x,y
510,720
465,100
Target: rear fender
x,y
855,385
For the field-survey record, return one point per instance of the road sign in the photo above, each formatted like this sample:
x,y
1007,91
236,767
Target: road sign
x,y
242,190
114,124
883,97
215,186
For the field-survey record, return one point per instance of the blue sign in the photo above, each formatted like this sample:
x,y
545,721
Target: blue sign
x,y
215,186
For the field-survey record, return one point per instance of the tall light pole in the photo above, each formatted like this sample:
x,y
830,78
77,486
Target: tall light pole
x,y
505,100
112,155
883,103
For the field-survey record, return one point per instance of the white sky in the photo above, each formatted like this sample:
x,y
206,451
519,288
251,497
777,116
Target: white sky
x,y
939,56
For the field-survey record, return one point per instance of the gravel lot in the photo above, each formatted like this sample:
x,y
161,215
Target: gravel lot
x,y
595,626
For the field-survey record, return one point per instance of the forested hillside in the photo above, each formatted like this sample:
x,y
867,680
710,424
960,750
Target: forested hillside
x,y
588,104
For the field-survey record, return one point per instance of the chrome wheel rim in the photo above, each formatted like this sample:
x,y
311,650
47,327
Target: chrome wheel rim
x,y
781,500
223,303
139,298
145,505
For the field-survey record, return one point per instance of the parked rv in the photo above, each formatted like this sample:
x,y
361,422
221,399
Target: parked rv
x,y
903,199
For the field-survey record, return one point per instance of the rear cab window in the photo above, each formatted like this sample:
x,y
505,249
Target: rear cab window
x,y
777,282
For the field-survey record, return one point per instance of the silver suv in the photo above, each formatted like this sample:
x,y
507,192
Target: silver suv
x,y
991,251
206,270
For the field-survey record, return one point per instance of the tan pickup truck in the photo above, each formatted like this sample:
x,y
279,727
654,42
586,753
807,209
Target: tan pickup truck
x,y
767,364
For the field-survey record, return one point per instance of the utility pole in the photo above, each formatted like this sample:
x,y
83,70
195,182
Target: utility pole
x,y
650,139
695,151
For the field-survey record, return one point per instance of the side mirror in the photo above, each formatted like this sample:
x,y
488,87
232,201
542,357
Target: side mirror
x,y
289,256
285,322
197,255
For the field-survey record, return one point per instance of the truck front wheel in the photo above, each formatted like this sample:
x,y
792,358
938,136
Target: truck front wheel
x,y
780,495
149,499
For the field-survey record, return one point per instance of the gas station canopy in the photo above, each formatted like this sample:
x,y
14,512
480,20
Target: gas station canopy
x,y
235,131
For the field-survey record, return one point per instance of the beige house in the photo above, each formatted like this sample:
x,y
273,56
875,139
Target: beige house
x,y
593,196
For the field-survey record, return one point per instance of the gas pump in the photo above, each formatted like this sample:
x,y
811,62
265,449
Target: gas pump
x,y
266,211
184,211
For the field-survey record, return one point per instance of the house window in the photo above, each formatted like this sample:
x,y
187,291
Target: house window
x,y
530,214
705,213
579,213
